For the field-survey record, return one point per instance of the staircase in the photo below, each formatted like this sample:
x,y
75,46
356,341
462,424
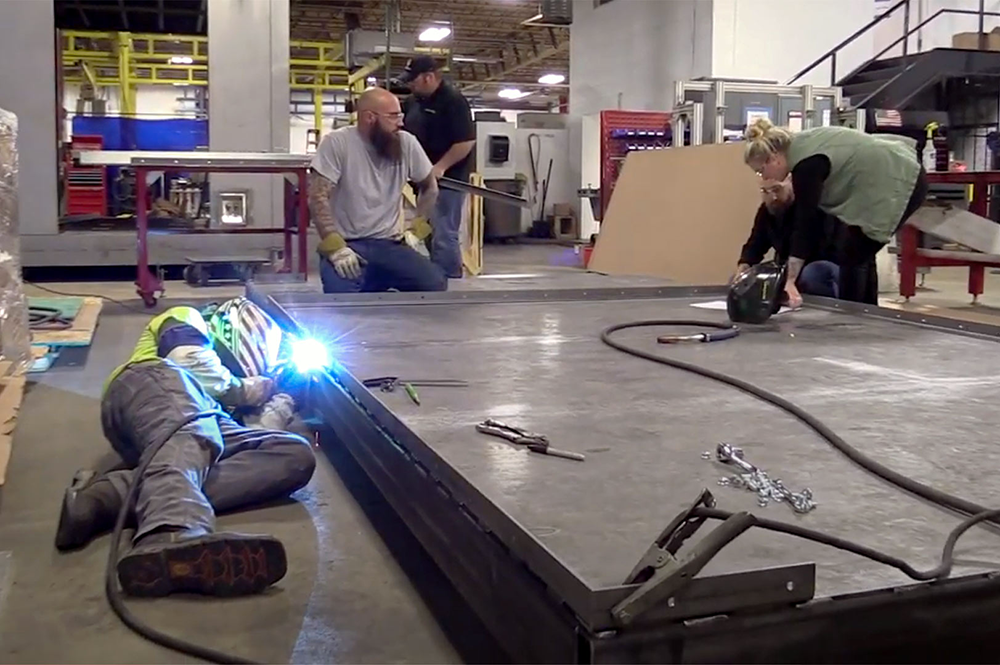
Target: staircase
x,y
917,81
911,81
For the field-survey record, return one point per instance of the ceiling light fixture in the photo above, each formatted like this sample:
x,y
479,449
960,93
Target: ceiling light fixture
x,y
434,34
181,60
512,93
552,79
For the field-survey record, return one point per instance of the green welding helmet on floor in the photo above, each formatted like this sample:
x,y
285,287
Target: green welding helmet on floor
x,y
756,294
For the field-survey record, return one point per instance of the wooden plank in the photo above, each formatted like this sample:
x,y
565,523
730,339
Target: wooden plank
x,y
82,332
971,257
11,395
958,226
681,214
68,305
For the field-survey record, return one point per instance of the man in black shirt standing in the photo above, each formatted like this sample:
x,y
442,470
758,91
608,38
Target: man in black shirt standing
x,y
439,116
772,229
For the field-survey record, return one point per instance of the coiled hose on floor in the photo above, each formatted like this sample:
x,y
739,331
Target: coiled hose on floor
x,y
48,318
111,588
976,512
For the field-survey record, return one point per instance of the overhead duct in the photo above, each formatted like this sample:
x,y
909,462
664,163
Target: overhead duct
x,y
552,14
360,46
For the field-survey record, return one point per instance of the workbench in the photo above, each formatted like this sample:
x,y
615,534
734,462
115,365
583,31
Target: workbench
x,y
147,163
539,546
912,257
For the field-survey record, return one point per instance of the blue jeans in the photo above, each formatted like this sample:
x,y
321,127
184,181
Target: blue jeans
x,y
820,278
387,264
446,222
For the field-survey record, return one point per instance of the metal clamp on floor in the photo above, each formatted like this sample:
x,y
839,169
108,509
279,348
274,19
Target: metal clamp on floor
x,y
661,573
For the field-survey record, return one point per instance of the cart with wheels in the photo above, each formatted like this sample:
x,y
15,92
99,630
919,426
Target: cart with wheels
x,y
148,165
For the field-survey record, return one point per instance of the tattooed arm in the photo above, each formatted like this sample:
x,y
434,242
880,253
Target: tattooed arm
x,y
320,191
428,196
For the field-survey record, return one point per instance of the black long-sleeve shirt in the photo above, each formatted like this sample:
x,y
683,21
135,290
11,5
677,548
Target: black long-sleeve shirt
x,y
777,231
807,236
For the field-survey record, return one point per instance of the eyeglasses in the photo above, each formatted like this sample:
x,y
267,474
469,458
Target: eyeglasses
x,y
393,115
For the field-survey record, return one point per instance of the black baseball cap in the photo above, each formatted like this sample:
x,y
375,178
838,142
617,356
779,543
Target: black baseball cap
x,y
417,66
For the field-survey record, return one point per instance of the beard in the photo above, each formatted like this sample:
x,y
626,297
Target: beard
x,y
776,208
387,144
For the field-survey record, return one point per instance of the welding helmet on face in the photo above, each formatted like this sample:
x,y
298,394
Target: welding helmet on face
x,y
249,342
757,293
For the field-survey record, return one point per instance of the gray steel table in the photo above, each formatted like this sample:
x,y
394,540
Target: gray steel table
x,y
539,546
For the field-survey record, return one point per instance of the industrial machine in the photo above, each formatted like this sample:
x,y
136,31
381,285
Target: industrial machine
x,y
495,140
714,111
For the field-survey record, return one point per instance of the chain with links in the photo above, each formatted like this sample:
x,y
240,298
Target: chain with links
x,y
767,490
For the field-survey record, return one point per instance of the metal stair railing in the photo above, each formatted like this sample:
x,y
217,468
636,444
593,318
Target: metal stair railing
x,y
831,55
982,37
903,5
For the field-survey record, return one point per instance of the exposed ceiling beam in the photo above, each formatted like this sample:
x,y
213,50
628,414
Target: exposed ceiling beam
x,y
83,14
519,64
129,9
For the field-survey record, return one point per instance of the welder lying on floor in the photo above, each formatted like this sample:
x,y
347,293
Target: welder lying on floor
x,y
177,387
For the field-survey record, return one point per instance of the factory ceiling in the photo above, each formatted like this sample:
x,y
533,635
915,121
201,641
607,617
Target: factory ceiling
x,y
490,45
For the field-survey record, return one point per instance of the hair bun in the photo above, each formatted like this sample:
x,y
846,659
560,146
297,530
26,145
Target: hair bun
x,y
758,129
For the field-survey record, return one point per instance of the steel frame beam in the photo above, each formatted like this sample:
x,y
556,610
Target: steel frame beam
x,y
541,611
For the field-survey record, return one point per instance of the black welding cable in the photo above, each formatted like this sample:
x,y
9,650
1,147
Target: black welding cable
x,y
47,318
976,513
114,593
924,491
940,571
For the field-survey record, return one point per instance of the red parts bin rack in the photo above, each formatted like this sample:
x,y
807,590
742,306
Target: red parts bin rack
x,y
911,257
143,163
621,129
86,186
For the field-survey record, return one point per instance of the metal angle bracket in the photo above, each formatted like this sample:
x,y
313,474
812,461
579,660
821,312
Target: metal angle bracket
x,y
661,573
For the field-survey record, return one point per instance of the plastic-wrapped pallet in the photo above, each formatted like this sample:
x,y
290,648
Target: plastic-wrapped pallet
x,y
15,334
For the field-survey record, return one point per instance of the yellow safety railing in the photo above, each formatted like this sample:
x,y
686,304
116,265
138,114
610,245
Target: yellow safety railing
x,y
127,58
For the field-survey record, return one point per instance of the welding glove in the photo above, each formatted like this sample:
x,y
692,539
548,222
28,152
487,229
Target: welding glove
x,y
256,390
276,414
411,240
345,260
421,228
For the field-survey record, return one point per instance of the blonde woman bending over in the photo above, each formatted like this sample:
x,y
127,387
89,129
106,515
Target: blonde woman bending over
x,y
872,184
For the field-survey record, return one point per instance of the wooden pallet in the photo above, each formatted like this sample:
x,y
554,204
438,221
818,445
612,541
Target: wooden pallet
x,y
82,331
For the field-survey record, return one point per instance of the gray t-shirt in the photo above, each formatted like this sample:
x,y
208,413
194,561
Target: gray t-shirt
x,y
368,188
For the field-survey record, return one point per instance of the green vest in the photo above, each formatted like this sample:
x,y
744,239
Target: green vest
x,y
149,340
871,176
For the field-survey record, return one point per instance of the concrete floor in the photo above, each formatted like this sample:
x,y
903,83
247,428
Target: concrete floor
x,y
349,596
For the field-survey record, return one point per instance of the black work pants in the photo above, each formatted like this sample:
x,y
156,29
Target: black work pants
x,y
856,252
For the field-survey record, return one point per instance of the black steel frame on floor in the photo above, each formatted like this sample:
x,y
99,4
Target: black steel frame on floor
x,y
541,611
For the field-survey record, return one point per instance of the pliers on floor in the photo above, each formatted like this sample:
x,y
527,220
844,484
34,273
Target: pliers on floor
x,y
536,443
